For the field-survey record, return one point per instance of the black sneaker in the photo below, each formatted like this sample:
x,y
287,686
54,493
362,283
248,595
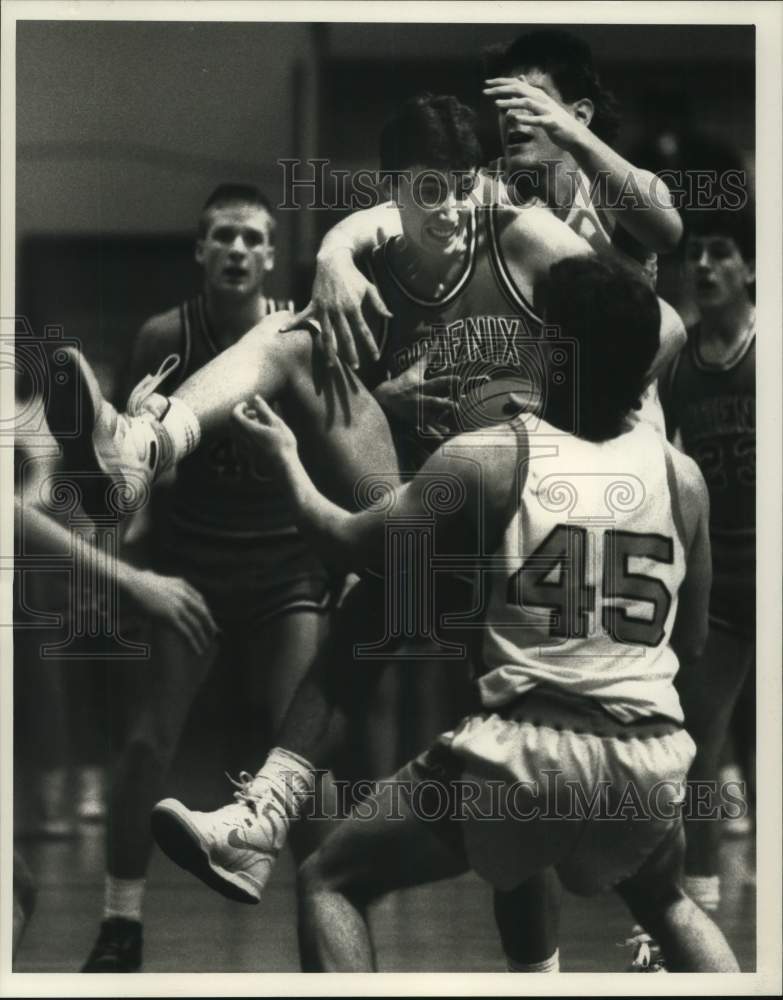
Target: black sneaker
x,y
118,948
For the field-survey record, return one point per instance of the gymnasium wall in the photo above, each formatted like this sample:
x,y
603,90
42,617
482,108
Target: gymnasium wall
x,y
122,131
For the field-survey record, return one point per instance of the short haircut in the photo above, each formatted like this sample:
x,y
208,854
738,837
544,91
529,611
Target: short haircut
x,y
739,225
234,194
434,131
569,61
612,313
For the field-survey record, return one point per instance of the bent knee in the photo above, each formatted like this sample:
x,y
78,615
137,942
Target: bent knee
x,y
315,876
265,337
320,873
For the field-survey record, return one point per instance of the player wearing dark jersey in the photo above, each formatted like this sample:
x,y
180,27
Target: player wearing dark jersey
x,y
709,397
556,122
227,531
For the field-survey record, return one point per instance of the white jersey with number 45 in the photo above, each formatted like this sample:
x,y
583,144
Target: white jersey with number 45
x,y
591,565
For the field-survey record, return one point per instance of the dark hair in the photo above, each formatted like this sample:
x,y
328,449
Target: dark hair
x,y
613,314
233,194
569,61
739,225
434,131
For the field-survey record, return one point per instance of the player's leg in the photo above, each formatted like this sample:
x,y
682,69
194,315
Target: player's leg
x,y
233,849
381,847
690,940
528,920
157,697
277,654
337,421
708,714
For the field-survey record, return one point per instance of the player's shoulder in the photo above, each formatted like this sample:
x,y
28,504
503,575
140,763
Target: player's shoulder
x,y
162,327
522,228
495,455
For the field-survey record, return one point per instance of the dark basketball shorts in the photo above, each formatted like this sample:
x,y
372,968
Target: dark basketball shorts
x,y
247,581
554,781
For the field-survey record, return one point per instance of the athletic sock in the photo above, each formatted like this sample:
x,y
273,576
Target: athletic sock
x,y
181,432
291,777
704,890
551,964
123,897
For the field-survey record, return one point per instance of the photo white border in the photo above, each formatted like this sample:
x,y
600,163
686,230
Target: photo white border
x,y
769,171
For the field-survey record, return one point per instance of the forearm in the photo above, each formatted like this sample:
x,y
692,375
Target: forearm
x,y
638,199
47,537
673,337
350,542
362,231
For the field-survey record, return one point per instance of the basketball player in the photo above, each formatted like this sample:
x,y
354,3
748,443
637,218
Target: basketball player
x,y
555,120
578,671
229,533
709,397
454,249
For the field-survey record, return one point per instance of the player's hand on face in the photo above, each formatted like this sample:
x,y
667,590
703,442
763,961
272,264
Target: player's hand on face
x,y
416,400
175,602
267,438
339,291
533,107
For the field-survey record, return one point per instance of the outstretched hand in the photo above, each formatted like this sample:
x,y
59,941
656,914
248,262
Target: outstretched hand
x,y
269,440
413,399
339,292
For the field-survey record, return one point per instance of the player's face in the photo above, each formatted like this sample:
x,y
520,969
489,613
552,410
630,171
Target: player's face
x,y
237,250
527,146
717,272
434,210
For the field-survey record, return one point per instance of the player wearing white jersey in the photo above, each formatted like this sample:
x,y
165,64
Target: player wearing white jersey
x,y
598,549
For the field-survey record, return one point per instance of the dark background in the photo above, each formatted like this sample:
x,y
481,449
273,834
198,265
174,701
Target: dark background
x,y
123,129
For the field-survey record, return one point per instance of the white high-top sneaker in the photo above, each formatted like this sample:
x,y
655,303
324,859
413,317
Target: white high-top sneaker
x,y
232,849
131,448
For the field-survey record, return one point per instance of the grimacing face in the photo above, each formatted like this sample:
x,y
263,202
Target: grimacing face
x,y
716,270
237,250
434,209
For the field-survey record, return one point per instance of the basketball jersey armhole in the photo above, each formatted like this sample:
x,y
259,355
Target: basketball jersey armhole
x,y
502,271
186,338
367,266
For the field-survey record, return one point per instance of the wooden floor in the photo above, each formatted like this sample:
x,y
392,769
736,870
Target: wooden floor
x,y
442,928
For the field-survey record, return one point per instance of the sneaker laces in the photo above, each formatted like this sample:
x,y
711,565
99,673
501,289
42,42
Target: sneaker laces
x,y
149,384
647,953
248,796
252,789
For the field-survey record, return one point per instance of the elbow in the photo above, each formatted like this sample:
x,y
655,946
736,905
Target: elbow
x,y
670,233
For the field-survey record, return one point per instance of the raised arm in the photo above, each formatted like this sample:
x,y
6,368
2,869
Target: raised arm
x,y
673,337
340,289
640,201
